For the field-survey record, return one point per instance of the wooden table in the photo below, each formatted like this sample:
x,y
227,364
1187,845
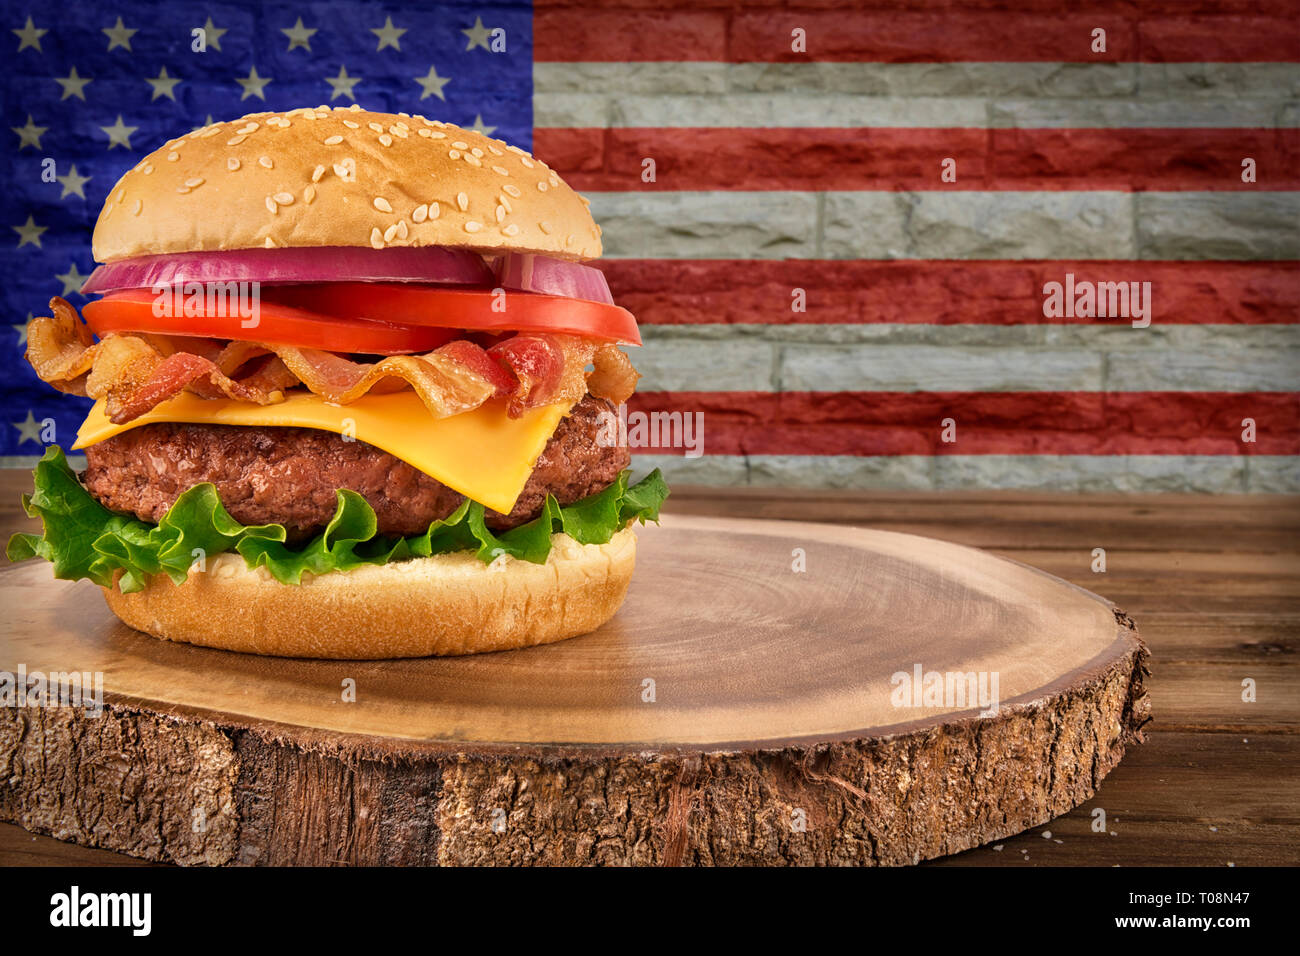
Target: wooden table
x,y
1214,585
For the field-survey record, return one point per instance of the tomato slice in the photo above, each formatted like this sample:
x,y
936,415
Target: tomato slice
x,y
278,324
470,309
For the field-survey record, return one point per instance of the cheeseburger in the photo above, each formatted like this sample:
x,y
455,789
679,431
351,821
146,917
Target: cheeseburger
x,y
352,385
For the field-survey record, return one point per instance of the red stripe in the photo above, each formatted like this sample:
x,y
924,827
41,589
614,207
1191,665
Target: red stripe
x,y
942,292
987,423
737,32
821,159
1128,8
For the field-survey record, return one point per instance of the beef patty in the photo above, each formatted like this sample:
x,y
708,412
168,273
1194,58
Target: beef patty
x,y
288,476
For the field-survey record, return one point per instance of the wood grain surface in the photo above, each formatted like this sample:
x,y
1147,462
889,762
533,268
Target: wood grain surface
x,y
744,651
1213,584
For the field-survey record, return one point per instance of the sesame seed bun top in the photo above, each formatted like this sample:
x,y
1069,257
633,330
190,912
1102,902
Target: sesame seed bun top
x,y
341,177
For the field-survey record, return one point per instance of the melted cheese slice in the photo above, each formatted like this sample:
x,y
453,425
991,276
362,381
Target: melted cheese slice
x,y
484,454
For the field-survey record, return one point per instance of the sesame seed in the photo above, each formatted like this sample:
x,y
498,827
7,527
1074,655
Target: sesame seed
x,y
386,139
376,238
382,204
354,108
544,226
473,226
248,128
196,181
317,173
500,171
232,163
505,203
462,201
346,170
434,210
473,160
541,187
147,169
270,204
569,240
235,140
182,189
402,230
454,154
401,125
172,157
437,134
333,140
527,162
139,204
309,194
459,145
376,127
121,195
420,213
477,153
512,190
351,125
494,151
501,213
390,232
284,199
265,161
511,230
399,131
422,131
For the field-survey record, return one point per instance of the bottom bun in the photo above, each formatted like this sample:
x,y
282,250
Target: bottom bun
x,y
445,604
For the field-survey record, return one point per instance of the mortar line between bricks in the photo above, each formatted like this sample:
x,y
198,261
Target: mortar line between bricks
x,y
819,225
1138,252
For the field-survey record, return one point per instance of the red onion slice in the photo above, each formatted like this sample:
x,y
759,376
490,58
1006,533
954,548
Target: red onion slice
x,y
271,266
525,272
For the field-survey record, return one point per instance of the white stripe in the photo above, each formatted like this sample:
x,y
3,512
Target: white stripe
x,y
1108,356
989,80
1210,474
75,462
949,225
979,95
1267,474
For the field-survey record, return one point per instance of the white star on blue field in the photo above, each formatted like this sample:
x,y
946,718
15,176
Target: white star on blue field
x,y
92,88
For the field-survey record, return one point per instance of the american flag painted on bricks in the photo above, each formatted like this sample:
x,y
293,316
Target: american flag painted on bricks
x,y
841,241
778,169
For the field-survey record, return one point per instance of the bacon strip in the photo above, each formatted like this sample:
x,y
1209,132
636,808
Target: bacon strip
x,y
614,377
538,363
135,372
446,382
59,348
177,372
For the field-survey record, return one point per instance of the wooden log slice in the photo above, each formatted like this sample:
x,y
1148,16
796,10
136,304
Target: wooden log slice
x,y
745,706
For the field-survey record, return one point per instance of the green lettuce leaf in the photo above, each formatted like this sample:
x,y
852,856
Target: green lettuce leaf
x,y
83,539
